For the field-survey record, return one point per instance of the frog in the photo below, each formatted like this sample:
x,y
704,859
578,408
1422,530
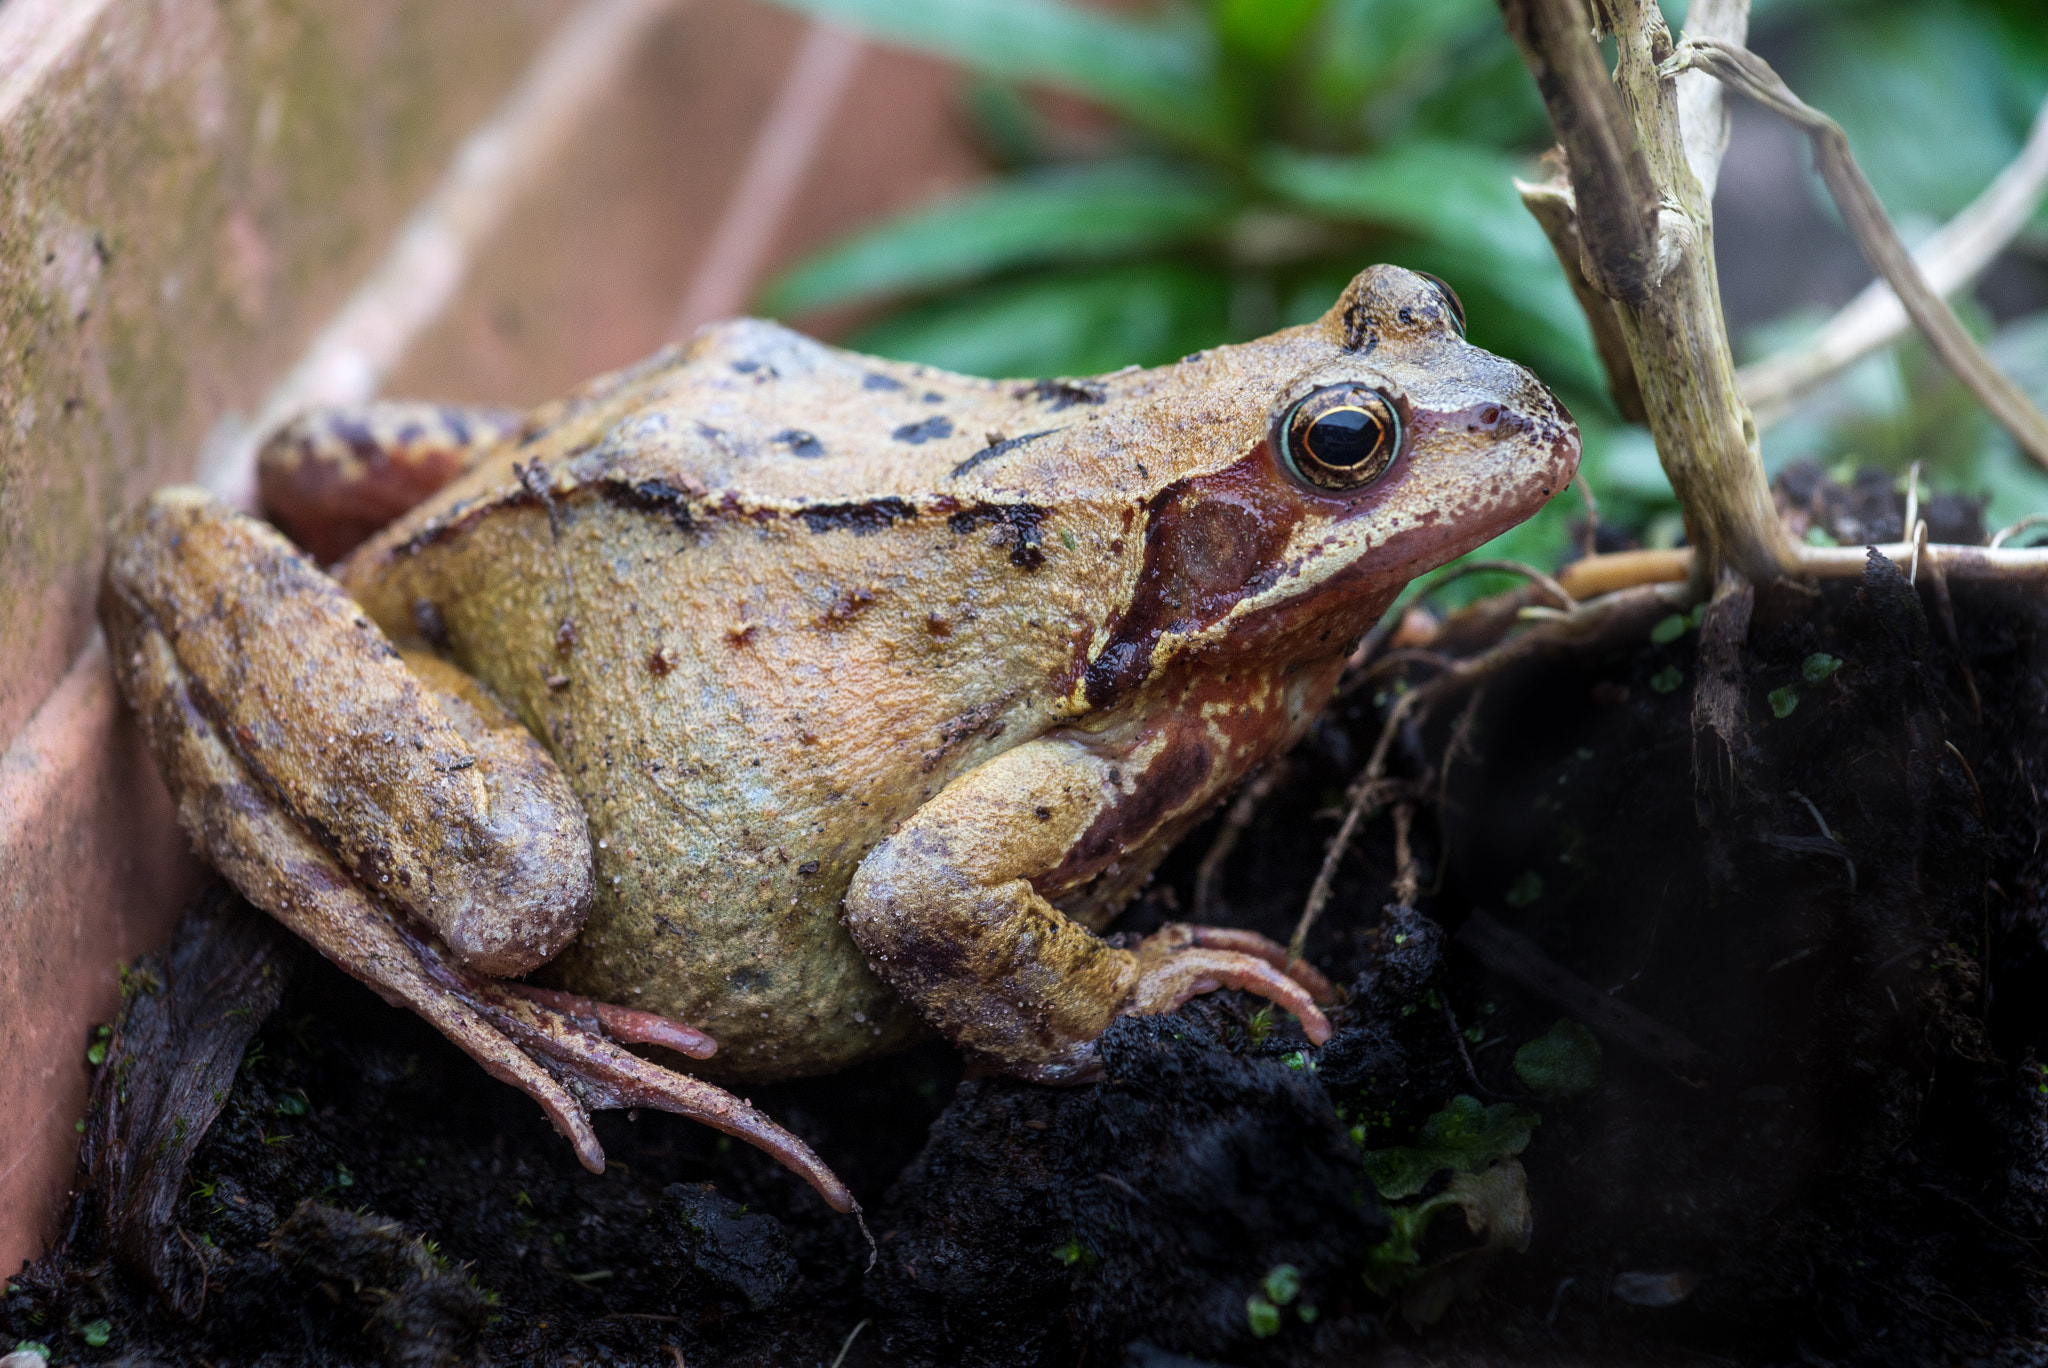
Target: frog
x,y
763,707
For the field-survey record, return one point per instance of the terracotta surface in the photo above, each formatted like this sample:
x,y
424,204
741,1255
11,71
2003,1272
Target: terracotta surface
x,y
190,199
188,192
92,860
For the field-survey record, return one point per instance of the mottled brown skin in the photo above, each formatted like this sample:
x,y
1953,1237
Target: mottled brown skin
x,y
881,688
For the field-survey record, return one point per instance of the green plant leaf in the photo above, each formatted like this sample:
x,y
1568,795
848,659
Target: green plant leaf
x,y
1465,1137
1455,193
1160,74
1074,323
1083,214
1561,1063
1262,31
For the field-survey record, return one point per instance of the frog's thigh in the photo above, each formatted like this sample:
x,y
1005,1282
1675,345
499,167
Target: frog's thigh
x,y
947,911
431,797
333,476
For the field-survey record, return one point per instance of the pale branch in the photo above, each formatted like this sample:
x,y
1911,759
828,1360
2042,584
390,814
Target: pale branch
x,y
1702,112
1591,577
1627,245
1872,228
1670,318
1950,260
1703,126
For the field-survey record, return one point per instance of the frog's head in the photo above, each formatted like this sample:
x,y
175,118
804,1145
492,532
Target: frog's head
x,y
1327,466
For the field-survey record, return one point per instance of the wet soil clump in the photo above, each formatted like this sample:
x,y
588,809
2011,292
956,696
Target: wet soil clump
x,y
1715,1030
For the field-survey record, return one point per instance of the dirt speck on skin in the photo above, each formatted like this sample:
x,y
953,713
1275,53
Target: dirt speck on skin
x,y
1845,917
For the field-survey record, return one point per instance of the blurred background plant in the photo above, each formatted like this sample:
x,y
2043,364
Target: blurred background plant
x,y
1176,175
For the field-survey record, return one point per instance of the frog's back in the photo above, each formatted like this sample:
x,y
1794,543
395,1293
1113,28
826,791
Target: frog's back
x,y
760,598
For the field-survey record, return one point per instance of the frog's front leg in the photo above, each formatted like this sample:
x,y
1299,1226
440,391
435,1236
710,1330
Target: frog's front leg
x,y
333,476
955,908
385,809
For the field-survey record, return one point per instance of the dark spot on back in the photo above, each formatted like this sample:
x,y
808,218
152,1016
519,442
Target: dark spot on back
x,y
862,519
1061,394
931,429
934,397
880,382
746,367
800,443
1019,524
1002,448
651,496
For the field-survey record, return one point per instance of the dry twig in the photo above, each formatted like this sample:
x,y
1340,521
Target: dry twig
x,y
1872,228
1949,260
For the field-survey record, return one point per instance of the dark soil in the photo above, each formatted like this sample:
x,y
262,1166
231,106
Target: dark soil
x,y
1837,913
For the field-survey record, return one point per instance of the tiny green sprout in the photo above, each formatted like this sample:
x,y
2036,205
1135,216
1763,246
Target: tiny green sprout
x,y
289,1104
33,1347
1527,888
1072,1252
1819,667
1282,1284
1262,1316
78,1126
1488,1008
1400,938
96,1333
1067,539
96,1053
342,1177
1699,610
1669,629
1358,1132
1432,1001
1260,1024
1307,1312
1475,1034
1667,679
520,1199
1817,535
1299,1060
1783,701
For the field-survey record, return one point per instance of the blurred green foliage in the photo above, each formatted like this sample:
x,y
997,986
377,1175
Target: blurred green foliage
x,y
1251,155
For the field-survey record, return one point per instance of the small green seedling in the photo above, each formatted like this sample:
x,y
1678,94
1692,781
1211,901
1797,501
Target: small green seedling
x,y
1282,1284
1817,535
1669,629
96,1333
1819,668
1527,888
1783,701
1561,1063
1667,679
1261,1316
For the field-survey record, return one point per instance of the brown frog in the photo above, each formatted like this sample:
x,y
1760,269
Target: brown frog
x,y
810,699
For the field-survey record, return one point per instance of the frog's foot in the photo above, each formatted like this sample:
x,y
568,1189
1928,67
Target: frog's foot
x,y
334,476
1179,961
573,1040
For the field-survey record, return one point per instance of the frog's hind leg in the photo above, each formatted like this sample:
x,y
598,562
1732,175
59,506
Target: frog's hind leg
x,y
332,477
419,841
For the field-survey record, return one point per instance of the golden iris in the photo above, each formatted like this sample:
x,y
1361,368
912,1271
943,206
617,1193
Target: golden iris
x,y
1341,437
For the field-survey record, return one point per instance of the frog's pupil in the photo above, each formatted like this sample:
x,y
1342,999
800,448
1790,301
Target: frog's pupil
x,y
1344,437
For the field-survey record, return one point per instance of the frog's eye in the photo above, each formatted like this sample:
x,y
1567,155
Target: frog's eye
x,y
1452,303
1341,436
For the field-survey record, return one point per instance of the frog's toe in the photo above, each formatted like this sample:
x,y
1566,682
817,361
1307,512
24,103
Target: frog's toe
x,y
1174,965
629,1024
1272,952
